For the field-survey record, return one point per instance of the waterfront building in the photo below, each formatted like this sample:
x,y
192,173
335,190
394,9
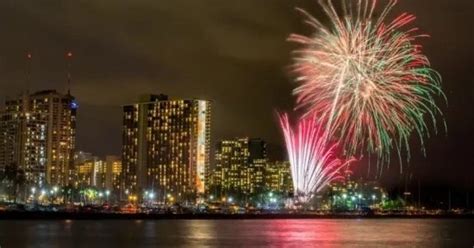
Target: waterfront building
x,y
240,166
113,173
95,172
38,136
278,177
91,173
166,146
355,195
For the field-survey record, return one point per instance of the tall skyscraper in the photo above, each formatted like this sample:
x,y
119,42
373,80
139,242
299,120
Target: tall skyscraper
x,y
257,163
166,146
38,135
240,166
230,173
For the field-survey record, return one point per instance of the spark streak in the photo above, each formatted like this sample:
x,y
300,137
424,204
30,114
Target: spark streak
x,y
313,161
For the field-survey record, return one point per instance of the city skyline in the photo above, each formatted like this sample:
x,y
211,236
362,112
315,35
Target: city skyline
x,y
257,71
277,123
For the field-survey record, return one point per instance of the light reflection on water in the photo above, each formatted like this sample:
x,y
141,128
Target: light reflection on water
x,y
243,233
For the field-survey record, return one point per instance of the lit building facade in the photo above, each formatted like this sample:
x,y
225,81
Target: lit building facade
x,y
94,172
38,135
257,163
85,173
355,194
113,173
278,177
166,146
240,166
91,173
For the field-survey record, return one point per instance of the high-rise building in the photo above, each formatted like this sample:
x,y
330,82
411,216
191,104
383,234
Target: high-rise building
x,y
38,136
230,172
240,166
257,163
9,132
166,146
278,177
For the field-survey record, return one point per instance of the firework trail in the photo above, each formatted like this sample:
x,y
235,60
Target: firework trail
x,y
365,78
313,162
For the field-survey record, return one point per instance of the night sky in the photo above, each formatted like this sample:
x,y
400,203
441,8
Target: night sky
x,y
231,52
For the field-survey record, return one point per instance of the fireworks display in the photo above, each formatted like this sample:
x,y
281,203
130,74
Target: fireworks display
x,y
312,159
365,79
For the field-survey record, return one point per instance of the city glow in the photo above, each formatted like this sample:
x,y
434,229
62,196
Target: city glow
x,y
365,78
313,161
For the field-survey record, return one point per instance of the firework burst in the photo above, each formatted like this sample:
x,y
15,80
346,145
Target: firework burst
x,y
312,160
365,78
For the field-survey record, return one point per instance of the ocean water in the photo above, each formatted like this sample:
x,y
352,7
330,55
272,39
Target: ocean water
x,y
238,233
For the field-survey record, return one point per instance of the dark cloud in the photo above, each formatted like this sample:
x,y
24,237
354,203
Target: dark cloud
x,y
232,52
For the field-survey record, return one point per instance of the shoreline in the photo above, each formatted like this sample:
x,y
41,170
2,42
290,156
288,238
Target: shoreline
x,y
270,216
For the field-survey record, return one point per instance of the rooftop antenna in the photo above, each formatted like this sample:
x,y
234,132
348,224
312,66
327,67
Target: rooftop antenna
x,y
68,60
29,58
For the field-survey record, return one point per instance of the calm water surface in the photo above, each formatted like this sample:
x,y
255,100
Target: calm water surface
x,y
238,233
